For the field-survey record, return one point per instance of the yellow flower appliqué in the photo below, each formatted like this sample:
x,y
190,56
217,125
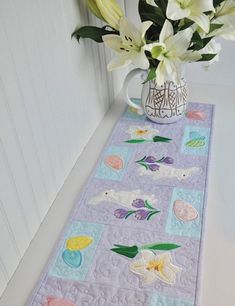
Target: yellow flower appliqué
x,y
141,132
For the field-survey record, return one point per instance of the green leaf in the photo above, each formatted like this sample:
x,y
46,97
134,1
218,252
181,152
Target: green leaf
x,y
151,75
129,252
217,2
152,34
120,246
187,24
197,41
207,57
161,139
147,205
160,246
92,32
135,141
215,26
162,4
152,13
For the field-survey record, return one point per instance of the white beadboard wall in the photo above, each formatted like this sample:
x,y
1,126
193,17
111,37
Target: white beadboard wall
x,y
53,94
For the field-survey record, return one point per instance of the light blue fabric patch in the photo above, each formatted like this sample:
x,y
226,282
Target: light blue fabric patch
x,y
107,172
131,114
160,300
60,268
195,140
176,226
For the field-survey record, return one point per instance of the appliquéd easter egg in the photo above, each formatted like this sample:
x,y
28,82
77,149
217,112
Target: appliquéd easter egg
x,y
184,211
115,162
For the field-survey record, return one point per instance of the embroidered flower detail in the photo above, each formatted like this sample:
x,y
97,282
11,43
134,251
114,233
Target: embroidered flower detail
x,y
138,203
146,212
152,164
152,267
141,214
150,159
167,160
153,167
120,213
142,132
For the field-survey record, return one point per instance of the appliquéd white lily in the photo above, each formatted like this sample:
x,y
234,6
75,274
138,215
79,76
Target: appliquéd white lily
x,y
152,267
142,132
191,9
129,46
172,52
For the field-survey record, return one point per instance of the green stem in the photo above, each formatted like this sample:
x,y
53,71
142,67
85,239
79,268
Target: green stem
x,y
141,160
130,213
153,213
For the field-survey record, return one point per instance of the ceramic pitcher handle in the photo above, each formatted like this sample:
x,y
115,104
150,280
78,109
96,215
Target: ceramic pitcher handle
x,y
127,80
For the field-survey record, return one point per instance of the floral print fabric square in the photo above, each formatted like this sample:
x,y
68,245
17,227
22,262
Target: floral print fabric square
x,y
135,236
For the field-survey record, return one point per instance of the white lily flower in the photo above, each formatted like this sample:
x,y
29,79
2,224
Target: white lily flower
x,y
142,132
227,31
212,48
224,15
129,46
191,9
152,267
171,51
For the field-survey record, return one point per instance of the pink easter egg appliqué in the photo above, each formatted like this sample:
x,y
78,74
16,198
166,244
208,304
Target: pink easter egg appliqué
x,y
184,211
196,115
58,302
114,161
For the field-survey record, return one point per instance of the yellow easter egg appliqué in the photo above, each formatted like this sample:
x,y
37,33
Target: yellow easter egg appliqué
x,y
78,243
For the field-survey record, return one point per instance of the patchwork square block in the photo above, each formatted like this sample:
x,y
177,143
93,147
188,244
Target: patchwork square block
x,y
113,165
185,213
195,140
76,251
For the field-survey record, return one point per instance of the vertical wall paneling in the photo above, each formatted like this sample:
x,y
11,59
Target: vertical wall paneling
x,y
53,94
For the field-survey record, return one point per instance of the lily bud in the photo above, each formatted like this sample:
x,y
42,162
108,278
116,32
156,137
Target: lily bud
x,y
94,9
106,10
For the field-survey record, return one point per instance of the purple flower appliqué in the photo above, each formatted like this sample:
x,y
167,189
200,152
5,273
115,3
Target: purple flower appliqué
x,y
154,167
141,214
138,203
120,213
150,159
168,160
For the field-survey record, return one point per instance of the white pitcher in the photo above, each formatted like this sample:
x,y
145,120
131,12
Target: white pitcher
x,y
162,104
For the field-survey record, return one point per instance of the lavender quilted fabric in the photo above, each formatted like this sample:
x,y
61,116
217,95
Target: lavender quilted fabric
x,y
135,236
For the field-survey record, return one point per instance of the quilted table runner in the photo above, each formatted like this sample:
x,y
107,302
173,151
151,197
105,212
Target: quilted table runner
x,y
135,236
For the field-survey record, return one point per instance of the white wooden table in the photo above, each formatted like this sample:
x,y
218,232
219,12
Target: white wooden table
x,y
218,280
